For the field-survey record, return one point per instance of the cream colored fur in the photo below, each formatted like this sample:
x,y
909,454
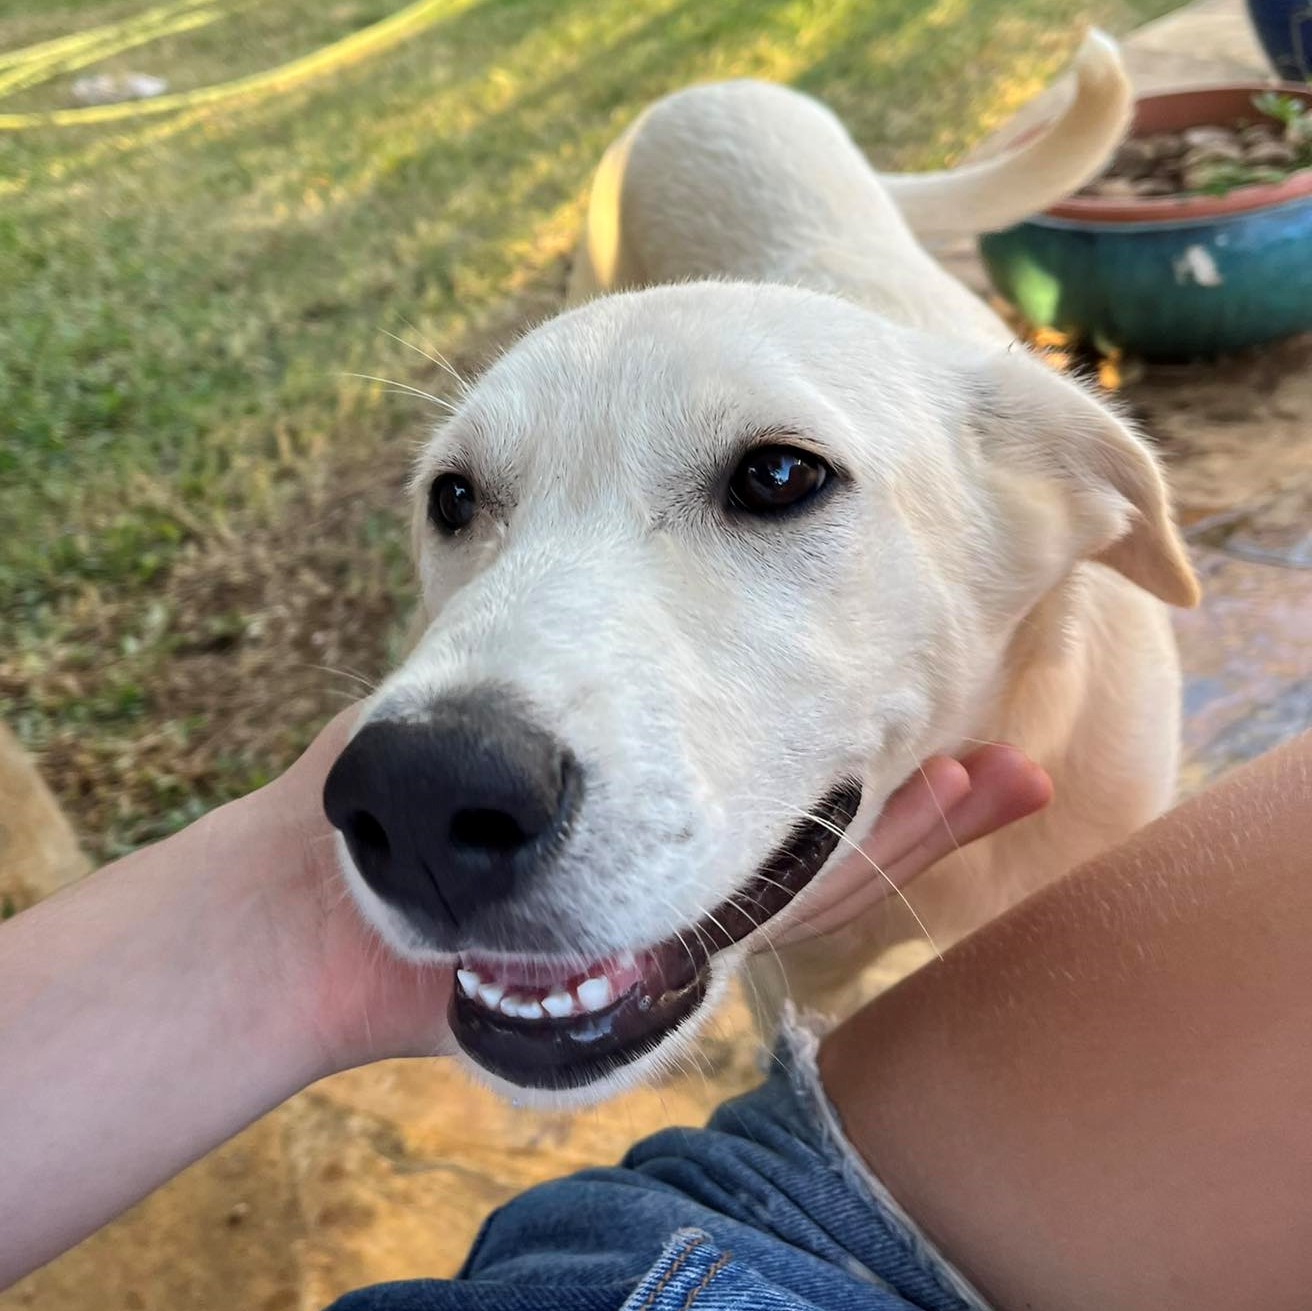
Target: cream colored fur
x,y
992,567
748,180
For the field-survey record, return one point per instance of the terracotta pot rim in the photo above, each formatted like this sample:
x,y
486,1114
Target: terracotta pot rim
x,y
1170,210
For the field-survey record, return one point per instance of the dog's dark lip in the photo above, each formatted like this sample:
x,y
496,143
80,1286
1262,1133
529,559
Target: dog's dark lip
x,y
582,1049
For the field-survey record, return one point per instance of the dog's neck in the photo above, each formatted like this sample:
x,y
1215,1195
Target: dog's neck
x,y
1042,666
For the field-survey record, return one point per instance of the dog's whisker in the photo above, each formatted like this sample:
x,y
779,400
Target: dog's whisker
x,y
354,675
942,814
429,352
407,391
683,942
441,364
405,388
709,947
848,842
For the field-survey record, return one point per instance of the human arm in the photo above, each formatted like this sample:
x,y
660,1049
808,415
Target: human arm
x,y
160,1005
1104,1099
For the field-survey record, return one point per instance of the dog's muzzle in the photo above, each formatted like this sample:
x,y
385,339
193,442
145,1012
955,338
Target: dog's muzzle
x,y
451,818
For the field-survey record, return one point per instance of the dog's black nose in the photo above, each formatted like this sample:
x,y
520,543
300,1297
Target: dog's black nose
x,y
447,815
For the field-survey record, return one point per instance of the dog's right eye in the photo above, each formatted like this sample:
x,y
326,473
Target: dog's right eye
x,y
452,502
773,479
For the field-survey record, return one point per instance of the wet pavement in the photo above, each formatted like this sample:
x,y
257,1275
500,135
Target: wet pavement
x,y
1247,658
1237,438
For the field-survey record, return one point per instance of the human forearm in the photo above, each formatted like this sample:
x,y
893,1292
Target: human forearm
x,y
1102,1100
136,1032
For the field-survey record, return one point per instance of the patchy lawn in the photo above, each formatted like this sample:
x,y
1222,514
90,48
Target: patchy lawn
x,y
198,503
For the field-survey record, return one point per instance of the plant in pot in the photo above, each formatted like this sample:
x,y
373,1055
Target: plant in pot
x,y
1197,241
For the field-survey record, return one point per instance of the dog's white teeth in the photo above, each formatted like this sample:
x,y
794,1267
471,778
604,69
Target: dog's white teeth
x,y
520,1007
558,1004
593,994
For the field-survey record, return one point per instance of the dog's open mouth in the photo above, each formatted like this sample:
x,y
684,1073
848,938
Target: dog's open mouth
x,y
539,1026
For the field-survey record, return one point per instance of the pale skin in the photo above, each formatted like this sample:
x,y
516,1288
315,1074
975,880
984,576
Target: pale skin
x,y
155,1009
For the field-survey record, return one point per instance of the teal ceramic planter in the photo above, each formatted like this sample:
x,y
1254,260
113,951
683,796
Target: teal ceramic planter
x,y
1168,278
1162,290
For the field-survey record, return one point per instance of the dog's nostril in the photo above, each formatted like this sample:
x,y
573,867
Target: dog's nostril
x,y
487,830
369,835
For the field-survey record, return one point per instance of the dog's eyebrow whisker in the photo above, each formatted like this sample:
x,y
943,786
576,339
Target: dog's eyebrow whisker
x,y
354,675
436,356
410,391
848,842
405,389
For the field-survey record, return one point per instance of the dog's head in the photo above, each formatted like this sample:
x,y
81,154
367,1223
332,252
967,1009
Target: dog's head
x,y
706,570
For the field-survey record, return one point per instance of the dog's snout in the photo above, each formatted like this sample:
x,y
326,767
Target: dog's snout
x,y
447,815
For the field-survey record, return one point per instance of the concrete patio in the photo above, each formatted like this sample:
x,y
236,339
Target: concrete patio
x,y
386,1172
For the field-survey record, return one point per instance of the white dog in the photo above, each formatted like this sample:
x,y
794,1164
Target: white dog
x,y
708,567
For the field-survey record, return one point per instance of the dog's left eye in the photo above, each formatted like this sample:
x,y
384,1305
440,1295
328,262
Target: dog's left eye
x,y
452,502
774,478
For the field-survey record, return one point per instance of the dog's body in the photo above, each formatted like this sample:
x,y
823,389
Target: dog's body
x,y
750,181
586,779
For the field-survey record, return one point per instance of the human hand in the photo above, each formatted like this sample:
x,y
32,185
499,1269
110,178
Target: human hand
x,y
946,804
359,999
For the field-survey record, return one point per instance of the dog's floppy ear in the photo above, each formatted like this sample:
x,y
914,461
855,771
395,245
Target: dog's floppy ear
x,y
1038,424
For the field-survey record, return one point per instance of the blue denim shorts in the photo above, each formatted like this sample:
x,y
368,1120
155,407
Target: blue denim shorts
x,y
767,1207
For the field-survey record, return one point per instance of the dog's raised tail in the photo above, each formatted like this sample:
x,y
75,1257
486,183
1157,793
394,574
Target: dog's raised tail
x,y
996,193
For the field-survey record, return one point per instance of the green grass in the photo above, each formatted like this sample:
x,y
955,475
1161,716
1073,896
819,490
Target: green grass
x,y
181,297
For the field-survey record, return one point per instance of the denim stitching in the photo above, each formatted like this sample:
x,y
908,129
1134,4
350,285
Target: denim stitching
x,y
693,1294
691,1243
